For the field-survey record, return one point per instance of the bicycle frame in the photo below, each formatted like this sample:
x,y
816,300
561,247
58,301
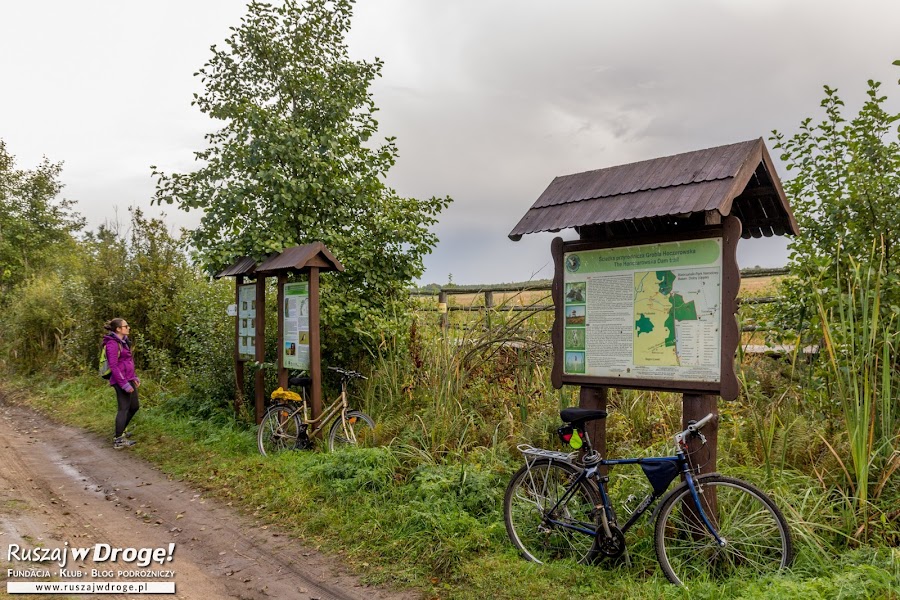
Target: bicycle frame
x,y
339,405
609,518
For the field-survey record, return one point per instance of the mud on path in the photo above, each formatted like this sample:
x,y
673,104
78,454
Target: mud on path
x,y
59,484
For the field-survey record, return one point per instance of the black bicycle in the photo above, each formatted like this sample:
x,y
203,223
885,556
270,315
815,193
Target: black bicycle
x,y
557,506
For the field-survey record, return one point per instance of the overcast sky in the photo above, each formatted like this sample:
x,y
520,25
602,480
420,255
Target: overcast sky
x,y
489,100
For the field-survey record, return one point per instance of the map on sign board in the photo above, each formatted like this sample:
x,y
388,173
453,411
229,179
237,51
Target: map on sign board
x,y
644,312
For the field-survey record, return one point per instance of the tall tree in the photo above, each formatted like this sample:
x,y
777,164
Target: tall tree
x,y
846,185
294,163
34,222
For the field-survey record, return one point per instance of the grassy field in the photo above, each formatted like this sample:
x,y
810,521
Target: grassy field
x,y
422,508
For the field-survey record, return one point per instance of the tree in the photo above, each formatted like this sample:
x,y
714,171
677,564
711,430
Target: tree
x,y
293,163
34,223
846,293
846,187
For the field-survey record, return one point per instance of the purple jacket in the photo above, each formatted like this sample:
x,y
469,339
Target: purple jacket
x,y
121,363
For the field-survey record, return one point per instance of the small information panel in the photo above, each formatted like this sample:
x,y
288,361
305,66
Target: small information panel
x,y
296,326
653,315
246,314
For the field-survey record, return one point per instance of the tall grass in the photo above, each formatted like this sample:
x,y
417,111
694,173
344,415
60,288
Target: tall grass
x,y
861,348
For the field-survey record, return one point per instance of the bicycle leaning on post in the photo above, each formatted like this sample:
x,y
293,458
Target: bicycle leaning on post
x,y
557,506
288,426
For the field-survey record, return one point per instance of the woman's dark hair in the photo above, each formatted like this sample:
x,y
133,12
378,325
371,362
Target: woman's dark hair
x,y
113,324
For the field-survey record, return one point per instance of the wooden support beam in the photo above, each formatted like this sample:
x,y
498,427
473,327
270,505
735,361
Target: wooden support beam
x,y
595,398
259,384
315,354
238,361
694,407
282,372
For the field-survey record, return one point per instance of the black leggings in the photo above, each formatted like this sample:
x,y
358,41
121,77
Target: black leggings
x,y
128,405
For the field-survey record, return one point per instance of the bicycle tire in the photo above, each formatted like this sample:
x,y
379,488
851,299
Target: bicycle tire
x,y
359,425
534,490
757,535
278,430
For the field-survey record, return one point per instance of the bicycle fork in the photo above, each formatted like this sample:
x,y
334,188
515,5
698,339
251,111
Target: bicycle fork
x,y
696,488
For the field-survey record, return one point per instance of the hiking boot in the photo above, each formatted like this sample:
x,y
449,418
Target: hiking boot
x,y
120,442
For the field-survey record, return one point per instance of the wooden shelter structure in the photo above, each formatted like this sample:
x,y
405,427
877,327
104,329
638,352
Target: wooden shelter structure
x,y
726,191
241,269
311,260
667,194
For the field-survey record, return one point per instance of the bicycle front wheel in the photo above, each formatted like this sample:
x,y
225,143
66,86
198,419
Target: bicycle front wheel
x,y
542,527
350,431
278,430
757,539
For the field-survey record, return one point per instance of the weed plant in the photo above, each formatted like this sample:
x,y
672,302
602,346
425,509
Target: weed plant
x,y
423,505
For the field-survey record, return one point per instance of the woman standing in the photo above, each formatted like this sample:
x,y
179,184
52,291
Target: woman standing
x,y
122,377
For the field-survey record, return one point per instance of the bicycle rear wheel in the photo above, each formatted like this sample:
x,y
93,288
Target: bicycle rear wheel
x,y
357,427
278,430
758,541
530,497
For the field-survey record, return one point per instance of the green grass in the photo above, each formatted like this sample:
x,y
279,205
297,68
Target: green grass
x,y
424,510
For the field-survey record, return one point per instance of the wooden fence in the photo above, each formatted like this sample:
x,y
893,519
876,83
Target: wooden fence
x,y
544,285
489,293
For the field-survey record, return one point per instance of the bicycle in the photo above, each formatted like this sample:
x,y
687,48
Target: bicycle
x,y
557,506
287,426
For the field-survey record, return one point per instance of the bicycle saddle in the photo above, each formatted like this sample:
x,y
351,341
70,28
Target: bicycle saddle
x,y
300,381
579,416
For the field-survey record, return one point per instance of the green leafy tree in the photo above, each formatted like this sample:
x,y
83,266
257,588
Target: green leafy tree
x,y
35,224
846,290
846,185
845,192
294,162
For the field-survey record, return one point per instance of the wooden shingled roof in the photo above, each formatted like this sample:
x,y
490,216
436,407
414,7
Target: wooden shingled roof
x,y
665,194
298,258
242,266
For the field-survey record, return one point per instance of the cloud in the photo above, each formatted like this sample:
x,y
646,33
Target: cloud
x,y
489,99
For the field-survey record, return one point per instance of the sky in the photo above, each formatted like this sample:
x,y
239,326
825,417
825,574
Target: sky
x,y
489,100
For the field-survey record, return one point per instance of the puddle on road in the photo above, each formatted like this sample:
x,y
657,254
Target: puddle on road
x,y
71,471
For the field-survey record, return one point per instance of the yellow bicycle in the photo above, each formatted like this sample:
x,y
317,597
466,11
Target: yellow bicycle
x,y
287,425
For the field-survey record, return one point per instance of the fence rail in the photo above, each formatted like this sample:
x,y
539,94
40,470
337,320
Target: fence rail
x,y
444,307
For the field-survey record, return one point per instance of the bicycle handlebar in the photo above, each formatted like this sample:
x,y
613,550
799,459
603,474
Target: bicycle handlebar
x,y
693,429
349,374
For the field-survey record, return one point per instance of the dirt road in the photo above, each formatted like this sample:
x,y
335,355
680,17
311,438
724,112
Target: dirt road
x,y
60,485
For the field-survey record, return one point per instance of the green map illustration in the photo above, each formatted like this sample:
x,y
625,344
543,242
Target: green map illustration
x,y
674,313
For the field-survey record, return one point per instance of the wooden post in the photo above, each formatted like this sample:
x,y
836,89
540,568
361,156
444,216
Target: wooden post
x,y
315,355
693,408
595,398
488,306
259,383
238,361
442,308
696,406
282,372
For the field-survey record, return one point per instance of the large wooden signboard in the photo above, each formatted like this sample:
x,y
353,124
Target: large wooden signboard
x,y
246,325
655,313
295,353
